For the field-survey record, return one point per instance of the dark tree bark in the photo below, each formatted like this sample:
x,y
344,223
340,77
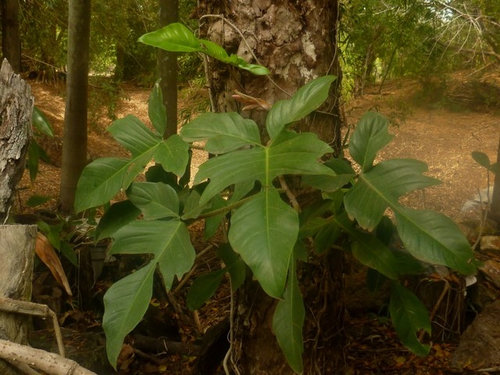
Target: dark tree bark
x,y
297,42
11,41
74,156
167,66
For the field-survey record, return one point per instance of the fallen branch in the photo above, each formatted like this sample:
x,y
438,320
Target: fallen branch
x,y
49,363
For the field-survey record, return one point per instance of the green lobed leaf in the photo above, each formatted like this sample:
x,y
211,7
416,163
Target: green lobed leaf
x,y
369,137
125,303
132,134
173,155
288,321
234,265
41,123
307,99
434,238
408,316
224,132
381,187
203,288
156,109
156,200
117,216
175,38
168,241
293,154
264,231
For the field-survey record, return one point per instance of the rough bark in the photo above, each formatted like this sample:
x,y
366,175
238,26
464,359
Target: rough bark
x,y
16,107
74,155
167,65
297,42
17,244
11,41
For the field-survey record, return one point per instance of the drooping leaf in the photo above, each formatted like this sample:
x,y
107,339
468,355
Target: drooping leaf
x,y
37,200
371,252
409,316
294,154
434,238
288,321
125,304
168,241
264,231
234,265
156,200
175,38
381,187
203,288
118,215
224,132
369,137
173,155
132,134
156,110
41,123
308,98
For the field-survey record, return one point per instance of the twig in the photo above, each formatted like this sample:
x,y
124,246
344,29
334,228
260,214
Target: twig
x,y
229,353
34,309
289,194
50,363
23,367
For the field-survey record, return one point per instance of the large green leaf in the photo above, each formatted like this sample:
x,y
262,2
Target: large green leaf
x,y
203,288
434,238
293,154
408,316
178,38
224,132
308,98
156,109
264,231
288,321
156,200
132,134
173,155
168,241
381,187
118,215
175,38
369,137
125,303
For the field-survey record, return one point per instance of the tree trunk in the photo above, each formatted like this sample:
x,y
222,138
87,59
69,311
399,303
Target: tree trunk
x,y
495,202
297,42
11,41
74,155
16,107
167,65
17,244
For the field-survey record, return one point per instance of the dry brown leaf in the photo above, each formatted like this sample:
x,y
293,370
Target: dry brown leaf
x,y
49,257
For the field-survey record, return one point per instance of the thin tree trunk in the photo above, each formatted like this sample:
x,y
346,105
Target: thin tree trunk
x,y
11,41
167,64
74,156
297,42
495,202
17,245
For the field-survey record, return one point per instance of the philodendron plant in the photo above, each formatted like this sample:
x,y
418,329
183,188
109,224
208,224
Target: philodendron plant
x,y
239,187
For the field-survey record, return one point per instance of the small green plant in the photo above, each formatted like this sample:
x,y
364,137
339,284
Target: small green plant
x,y
266,231
41,126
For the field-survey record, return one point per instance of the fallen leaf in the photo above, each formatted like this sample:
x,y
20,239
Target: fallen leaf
x,y
49,257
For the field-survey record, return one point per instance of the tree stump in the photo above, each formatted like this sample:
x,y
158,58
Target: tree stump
x,y
17,244
16,108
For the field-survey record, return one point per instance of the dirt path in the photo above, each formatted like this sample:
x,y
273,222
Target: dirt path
x,y
441,138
